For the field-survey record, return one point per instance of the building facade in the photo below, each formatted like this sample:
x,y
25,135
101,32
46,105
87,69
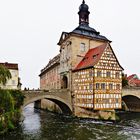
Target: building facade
x,y
97,80
49,76
14,82
89,68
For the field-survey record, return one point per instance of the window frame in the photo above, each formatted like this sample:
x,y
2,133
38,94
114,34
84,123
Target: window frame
x,y
82,47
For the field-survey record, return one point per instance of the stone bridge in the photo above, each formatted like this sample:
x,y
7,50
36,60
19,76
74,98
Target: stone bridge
x,y
131,99
61,97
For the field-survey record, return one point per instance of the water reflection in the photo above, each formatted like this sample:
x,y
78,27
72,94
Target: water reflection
x,y
31,124
41,125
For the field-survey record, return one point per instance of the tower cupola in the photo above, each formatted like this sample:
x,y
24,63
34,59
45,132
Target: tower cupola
x,y
83,14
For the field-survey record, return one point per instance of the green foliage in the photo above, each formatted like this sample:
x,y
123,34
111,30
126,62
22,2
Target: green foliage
x,y
4,75
18,98
6,101
10,103
124,80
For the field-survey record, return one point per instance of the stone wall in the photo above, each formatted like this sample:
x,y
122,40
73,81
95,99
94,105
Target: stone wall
x,y
101,115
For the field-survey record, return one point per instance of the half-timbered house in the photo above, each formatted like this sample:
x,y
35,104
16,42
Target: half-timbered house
x,y
97,80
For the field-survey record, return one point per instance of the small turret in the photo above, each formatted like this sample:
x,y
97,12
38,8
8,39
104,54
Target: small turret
x,y
83,14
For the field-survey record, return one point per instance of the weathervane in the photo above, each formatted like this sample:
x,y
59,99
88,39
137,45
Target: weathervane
x,y
83,1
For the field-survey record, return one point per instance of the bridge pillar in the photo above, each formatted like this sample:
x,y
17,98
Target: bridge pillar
x,y
37,104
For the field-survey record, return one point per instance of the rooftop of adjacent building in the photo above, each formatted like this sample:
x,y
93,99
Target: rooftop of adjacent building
x,y
133,80
13,66
133,76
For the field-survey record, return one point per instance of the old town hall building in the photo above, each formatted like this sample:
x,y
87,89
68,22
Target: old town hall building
x,y
87,66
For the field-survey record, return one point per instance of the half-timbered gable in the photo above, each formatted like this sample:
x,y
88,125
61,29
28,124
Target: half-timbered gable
x,y
97,79
107,81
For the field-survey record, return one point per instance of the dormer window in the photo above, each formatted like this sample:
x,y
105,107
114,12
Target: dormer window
x,y
82,47
94,56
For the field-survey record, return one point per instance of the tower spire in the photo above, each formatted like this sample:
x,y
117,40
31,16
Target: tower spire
x,y
83,1
83,14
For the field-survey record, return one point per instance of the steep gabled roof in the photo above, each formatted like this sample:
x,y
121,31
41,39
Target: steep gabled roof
x,y
91,58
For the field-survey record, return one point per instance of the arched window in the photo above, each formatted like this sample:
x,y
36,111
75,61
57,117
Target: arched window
x,y
64,82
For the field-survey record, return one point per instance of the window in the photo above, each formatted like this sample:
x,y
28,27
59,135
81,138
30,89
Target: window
x,y
117,74
82,47
99,73
118,86
95,56
117,100
112,65
103,86
13,73
108,74
90,73
111,86
97,85
13,82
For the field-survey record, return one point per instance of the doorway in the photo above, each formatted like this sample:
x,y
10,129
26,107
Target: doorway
x,y
65,82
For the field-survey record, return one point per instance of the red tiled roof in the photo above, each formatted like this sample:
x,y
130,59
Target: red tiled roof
x,y
130,77
10,65
135,82
92,57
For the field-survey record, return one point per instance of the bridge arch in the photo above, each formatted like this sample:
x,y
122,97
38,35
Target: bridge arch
x,y
132,103
64,106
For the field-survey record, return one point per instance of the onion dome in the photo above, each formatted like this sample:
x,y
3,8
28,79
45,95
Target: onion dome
x,y
83,7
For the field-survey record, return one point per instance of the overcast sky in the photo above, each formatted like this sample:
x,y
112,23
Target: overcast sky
x,y
30,31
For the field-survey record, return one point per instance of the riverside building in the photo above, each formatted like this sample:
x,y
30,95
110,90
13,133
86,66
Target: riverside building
x,y
14,82
89,68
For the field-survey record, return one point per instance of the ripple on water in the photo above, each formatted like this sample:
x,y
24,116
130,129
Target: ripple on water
x,y
41,125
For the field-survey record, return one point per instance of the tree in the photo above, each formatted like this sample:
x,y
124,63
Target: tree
x,y
124,80
4,75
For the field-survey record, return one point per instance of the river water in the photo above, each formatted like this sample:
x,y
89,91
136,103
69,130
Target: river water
x,y
42,125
